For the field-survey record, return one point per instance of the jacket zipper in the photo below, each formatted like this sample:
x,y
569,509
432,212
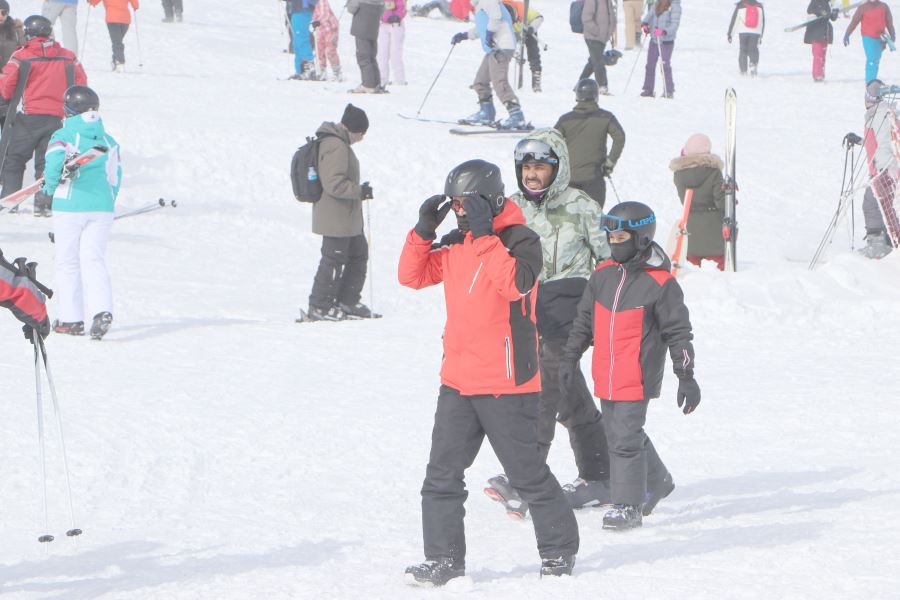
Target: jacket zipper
x,y
555,247
508,364
477,271
612,324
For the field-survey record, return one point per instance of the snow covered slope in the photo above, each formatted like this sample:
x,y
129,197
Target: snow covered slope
x,y
218,450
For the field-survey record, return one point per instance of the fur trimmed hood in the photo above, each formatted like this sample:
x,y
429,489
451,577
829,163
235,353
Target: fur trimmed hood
x,y
696,160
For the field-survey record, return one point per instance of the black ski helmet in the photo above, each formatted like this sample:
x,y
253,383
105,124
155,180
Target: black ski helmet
x,y
534,150
587,90
611,57
79,99
37,26
636,218
477,178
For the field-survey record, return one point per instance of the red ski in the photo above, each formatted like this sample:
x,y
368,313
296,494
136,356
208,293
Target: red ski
x,y
679,255
13,200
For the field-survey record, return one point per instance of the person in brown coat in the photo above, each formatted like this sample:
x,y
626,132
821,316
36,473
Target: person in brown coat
x,y
12,35
700,170
337,217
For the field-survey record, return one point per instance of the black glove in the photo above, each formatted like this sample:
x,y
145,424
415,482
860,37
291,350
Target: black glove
x,y
43,331
834,14
566,376
431,215
729,39
454,237
478,214
365,191
688,394
459,37
530,32
315,24
393,19
607,168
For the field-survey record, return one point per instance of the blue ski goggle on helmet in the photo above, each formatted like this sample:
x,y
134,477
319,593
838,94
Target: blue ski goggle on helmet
x,y
531,150
612,224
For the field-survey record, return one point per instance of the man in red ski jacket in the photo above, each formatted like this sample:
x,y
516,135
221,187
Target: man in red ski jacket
x,y
490,380
48,70
20,294
632,311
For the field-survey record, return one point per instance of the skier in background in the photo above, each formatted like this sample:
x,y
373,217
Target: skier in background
x,y
301,12
42,107
327,31
750,18
634,10
12,36
391,34
700,170
635,291
586,130
599,20
458,10
883,170
118,18
876,21
820,34
494,28
173,10
661,21
67,13
527,26
83,207
364,28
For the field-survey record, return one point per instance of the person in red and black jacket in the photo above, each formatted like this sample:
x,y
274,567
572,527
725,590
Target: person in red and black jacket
x,y
490,380
22,295
50,69
632,311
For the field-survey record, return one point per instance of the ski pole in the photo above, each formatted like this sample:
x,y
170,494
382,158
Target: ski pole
x,y
369,242
613,185
74,531
147,208
137,35
634,66
87,21
662,65
35,336
436,77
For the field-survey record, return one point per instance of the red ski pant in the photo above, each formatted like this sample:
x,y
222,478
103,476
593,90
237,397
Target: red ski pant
x,y
819,49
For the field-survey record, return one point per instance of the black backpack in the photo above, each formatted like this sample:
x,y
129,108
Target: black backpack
x,y
305,171
575,21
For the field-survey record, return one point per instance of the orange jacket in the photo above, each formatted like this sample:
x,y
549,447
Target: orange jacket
x,y
490,338
116,10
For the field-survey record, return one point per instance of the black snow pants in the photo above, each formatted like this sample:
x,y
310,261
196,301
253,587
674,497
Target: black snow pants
x,y
595,188
172,8
749,50
341,273
533,51
872,214
30,135
598,61
460,425
117,33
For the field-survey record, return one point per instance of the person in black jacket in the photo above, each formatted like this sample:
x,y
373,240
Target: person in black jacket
x,y
632,310
820,34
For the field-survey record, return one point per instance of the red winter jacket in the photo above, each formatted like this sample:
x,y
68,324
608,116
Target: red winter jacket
x,y
47,80
490,338
632,313
875,18
117,10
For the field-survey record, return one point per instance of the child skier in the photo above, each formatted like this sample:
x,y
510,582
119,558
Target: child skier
x,y
661,21
750,18
819,34
391,33
118,18
301,12
82,214
325,24
876,21
632,310
883,170
700,170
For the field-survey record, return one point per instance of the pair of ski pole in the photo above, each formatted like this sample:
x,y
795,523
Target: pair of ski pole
x,y
84,38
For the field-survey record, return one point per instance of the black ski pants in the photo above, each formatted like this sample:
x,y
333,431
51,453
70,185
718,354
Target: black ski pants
x,y
366,58
634,464
460,425
871,212
749,50
595,188
598,61
576,411
29,137
117,33
533,51
172,8
341,273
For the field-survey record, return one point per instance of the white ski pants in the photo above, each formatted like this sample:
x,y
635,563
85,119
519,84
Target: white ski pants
x,y
82,280
68,16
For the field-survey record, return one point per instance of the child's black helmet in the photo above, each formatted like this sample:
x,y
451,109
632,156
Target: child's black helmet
x,y
79,99
634,217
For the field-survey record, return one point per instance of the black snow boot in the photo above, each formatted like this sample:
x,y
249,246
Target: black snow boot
x,y
581,493
622,517
434,572
658,492
557,567
499,490
536,81
317,313
358,311
101,324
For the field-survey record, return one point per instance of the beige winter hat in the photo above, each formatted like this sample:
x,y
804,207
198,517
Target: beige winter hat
x,y
697,144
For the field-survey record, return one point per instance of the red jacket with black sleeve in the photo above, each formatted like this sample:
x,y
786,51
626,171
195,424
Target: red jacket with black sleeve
x,y
490,338
632,313
21,296
48,78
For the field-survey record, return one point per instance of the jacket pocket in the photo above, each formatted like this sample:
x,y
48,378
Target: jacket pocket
x,y
508,358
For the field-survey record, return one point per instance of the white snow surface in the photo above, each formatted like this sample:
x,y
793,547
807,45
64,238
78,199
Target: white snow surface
x,y
218,450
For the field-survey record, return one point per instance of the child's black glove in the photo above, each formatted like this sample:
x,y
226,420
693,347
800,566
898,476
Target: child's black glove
x,y
688,395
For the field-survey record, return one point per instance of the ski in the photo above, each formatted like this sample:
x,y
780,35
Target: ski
x,y
424,120
12,201
304,318
890,43
150,207
492,130
679,254
844,10
521,58
729,223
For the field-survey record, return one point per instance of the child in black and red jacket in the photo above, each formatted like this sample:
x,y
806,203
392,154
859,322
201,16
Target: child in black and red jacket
x,y
632,310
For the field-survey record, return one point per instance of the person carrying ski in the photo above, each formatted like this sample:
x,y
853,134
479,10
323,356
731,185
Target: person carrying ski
x,y
878,200
750,18
490,381
632,311
49,70
526,26
301,12
173,10
661,21
586,130
494,27
820,34
599,20
118,18
876,22
19,293
327,31
364,28
337,217
12,36
700,170
83,205
458,10
566,220
391,33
